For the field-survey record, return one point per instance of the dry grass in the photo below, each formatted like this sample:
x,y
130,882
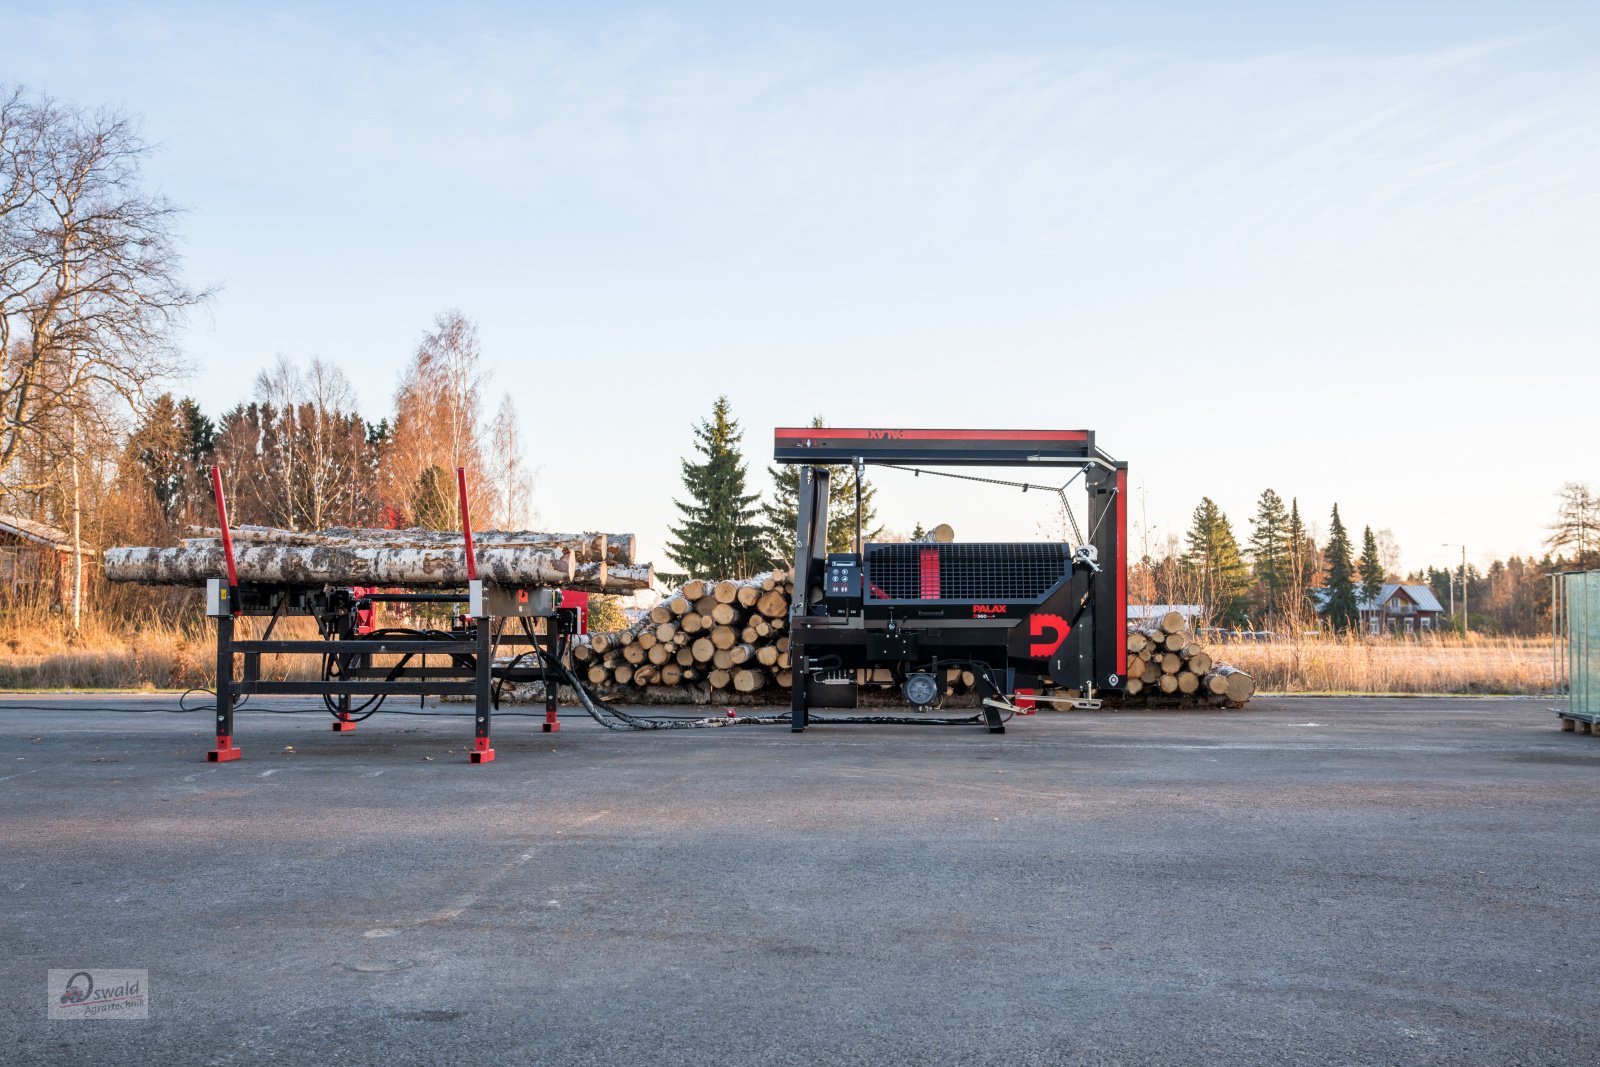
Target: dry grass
x,y
1434,663
38,651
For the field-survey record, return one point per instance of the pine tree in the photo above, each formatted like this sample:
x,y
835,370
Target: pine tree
x,y
1269,551
1214,556
918,533
1341,610
1371,569
717,535
780,515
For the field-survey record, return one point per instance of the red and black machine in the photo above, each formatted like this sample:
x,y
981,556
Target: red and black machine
x,y
1018,615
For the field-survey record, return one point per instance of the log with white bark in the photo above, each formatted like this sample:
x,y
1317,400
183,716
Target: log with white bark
x,y
587,547
321,565
603,577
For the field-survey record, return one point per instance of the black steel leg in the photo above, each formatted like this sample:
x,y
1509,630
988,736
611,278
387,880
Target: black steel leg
x,y
797,697
482,752
991,718
991,714
226,750
552,721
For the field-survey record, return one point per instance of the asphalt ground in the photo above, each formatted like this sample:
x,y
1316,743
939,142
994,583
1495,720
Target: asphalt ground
x,y
1361,881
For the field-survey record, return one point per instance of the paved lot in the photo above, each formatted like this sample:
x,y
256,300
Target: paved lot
x,y
1343,881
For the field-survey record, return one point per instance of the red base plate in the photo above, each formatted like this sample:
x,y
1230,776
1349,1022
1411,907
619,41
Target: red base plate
x,y
226,750
341,726
481,752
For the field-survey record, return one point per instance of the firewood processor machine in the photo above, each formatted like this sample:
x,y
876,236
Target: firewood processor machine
x,y
1017,615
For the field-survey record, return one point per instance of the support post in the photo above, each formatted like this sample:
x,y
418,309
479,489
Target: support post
x,y
798,713
341,722
552,721
482,751
226,750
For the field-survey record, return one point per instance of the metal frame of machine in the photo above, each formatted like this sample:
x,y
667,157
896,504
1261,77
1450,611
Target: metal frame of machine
x,y
469,648
349,672
1015,613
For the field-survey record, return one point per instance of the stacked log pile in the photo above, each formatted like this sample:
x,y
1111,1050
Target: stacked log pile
x,y
1167,666
706,641
727,642
589,562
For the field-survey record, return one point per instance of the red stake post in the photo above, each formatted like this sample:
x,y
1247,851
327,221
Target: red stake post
x,y
227,540
466,523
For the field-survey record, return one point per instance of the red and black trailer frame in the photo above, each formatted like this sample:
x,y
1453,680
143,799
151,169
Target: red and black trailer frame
x,y
457,662
1014,613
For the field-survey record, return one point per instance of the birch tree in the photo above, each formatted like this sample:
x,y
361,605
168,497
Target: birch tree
x,y
91,291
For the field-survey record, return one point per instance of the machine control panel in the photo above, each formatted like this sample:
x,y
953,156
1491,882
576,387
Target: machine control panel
x,y
841,580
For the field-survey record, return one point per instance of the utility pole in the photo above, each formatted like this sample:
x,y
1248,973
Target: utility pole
x,y
1463,548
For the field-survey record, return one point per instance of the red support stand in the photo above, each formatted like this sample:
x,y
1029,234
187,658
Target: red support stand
x,y
226,750
551,722
481,752
342,724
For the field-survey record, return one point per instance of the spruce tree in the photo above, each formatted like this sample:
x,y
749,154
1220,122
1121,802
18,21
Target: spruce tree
x,y
918,533
842,511
1371,569
435,503
780,516
1303,562
1340,610
1269,551
717,535
1214,556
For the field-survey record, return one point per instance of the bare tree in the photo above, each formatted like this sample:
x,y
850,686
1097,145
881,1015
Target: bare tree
x,y
438,422
1577,526
90,288
508,470
278,391
328,401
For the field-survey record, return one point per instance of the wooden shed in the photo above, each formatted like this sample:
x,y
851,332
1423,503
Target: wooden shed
x,y
36,562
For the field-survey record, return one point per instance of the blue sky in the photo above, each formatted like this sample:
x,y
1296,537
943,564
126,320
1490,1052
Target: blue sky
x,y
1349,252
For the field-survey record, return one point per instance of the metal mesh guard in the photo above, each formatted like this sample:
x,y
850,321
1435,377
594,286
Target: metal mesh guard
x,y
977,572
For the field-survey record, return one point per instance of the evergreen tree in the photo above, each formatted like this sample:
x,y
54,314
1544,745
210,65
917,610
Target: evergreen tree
x,y
160,443
1214,557
1341,610
780,516
717,535
1371,568
1269,551
842,511
1302,562
434,503
918,533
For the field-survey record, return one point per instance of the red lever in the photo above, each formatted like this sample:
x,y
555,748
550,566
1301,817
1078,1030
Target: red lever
x,y
227,540
466,523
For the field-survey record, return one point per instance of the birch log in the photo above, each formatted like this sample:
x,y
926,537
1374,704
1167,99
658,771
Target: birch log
x,y
589,547
320,565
